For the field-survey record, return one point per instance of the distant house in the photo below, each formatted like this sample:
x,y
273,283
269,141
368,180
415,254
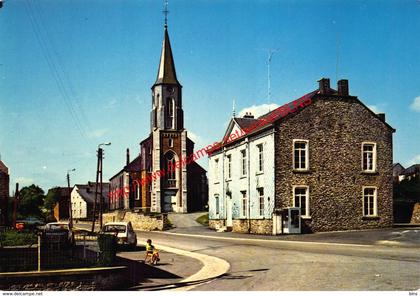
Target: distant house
x,y
412,172
397,172
400,173
83,199
125,191
4,193
61,209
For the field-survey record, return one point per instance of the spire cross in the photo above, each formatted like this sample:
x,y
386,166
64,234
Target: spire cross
x,y
165,12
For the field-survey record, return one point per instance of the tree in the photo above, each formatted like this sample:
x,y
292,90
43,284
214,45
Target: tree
x,y
31,201
51,199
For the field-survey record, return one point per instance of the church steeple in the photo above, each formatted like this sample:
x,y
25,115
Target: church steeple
x,y
167,113
166,73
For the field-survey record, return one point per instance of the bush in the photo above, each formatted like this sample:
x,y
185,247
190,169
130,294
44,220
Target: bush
x,y
14,238
108,248
203,220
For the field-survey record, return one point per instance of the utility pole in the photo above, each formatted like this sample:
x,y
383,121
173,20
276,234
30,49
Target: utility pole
x,y
99,179
70,207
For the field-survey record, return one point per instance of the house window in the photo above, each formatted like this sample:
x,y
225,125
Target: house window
x,y
216,198
300,155
243,162
369,157
370,201
171,143
244,203
301,199
216,170
229,166
261,200
260,157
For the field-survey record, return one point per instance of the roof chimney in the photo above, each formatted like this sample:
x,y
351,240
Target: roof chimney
x,y
324,85
128,156
343,87
248,115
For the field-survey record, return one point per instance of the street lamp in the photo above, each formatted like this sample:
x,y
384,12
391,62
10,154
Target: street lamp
x,y
70,208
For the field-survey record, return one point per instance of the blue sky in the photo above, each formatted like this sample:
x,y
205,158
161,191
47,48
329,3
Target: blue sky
x,y
76,73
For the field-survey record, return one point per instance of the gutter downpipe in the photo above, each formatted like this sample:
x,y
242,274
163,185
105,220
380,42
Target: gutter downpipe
x,y
249,185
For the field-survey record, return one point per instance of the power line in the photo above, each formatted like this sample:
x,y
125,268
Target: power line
x,y
52,64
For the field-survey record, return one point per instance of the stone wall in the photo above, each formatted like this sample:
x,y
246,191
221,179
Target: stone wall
x,y
335,128
216,224
140,221
94,279
415,218
256,226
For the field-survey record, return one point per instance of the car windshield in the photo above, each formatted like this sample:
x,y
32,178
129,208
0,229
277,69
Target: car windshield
x,y
57,227
114,228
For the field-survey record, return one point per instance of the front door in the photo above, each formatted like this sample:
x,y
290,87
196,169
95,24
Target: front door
x,y
168,201
229,222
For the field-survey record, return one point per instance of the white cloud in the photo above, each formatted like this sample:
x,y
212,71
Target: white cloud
x,y
414,160
415,105
23,181
97,133
258,110
193,136
375,108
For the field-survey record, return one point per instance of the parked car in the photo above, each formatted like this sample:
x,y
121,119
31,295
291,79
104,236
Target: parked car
x,y
29,223
59,233
124,232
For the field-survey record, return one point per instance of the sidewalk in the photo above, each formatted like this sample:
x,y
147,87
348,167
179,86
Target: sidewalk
x,y
170,270
402,237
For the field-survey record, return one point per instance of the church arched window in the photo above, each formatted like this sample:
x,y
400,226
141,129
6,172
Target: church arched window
x,y
170,166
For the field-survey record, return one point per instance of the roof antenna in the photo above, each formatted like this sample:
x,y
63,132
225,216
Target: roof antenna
x,y
233,109
271,52
165,11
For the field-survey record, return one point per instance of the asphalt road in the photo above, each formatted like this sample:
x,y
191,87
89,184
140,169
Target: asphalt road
x,y
258,264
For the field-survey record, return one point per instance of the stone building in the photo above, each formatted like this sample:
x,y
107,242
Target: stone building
x,y
331,157
155,183
4,194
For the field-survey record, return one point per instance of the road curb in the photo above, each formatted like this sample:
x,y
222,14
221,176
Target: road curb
x,y
213,267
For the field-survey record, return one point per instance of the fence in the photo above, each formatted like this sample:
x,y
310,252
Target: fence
x,y
46,255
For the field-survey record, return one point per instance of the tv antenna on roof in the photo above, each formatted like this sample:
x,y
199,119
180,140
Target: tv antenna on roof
x,y
165,11
271,52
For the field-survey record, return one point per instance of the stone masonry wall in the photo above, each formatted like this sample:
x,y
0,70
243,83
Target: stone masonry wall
x,y
335,128
4,195
139,221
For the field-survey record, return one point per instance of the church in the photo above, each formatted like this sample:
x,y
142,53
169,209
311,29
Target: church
x,y
183,189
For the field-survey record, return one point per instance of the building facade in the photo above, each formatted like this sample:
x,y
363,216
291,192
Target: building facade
x,y
83,199
331,158
61,208
4,194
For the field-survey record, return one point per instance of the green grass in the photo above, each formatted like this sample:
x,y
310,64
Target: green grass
x,y
13,238
203,220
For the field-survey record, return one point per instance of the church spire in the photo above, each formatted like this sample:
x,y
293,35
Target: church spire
x,y
166,73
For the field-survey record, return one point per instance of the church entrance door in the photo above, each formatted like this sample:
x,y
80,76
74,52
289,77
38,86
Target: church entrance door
x,y
169,201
